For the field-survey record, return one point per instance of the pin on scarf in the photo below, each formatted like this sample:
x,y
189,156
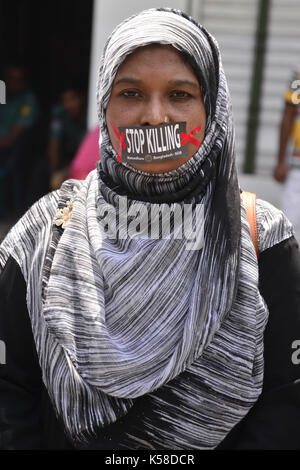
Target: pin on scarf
x,y
151,144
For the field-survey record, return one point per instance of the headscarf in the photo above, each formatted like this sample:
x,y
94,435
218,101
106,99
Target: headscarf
x,y
130,319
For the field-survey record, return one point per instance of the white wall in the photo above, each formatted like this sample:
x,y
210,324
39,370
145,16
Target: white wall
x,y
282,56
106,16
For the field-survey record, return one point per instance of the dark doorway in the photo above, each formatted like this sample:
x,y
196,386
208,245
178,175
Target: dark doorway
x,y
52,39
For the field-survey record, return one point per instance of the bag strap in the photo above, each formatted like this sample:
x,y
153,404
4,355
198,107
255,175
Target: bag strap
x,y
249,201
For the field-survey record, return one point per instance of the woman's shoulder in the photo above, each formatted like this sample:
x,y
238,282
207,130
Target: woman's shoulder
x,y
31,234
272,225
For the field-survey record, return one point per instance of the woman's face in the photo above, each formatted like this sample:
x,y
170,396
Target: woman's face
x,y
152,85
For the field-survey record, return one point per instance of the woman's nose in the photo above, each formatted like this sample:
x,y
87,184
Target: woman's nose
x,y
155,113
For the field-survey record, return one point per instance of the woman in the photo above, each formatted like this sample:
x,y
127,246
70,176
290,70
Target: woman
x,y
141,343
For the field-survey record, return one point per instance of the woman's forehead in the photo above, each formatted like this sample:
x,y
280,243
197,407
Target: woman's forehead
x,y
149,51
152,57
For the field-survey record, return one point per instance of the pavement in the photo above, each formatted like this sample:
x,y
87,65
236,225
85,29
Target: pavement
x,y
264,187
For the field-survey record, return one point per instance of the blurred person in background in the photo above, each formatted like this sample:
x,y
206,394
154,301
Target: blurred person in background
x,y
87,156
17,120
67,129
287,170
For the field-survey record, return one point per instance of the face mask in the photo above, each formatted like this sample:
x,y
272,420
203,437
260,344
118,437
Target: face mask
x,y
152,144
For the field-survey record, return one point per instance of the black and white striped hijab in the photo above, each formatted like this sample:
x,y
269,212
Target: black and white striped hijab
x,y
119,319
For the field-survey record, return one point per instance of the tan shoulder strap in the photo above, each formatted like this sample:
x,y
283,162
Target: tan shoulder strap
x,y
249,201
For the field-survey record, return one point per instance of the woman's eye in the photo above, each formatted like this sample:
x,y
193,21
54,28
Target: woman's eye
x,y
178,94
130,94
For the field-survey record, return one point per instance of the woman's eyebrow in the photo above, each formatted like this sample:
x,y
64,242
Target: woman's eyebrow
x,y
184,82
132,80
178,82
